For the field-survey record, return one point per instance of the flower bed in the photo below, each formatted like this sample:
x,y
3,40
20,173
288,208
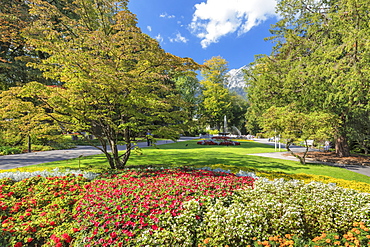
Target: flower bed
x,y
179,207
219,140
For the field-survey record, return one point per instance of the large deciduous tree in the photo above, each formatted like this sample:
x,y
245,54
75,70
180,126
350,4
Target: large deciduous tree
x,y
320,63
115,78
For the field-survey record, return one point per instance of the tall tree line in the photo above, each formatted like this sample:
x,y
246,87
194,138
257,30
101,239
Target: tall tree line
x,y
320,63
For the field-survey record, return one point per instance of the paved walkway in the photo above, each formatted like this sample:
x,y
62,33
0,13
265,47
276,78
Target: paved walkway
x,y
365,170
27,159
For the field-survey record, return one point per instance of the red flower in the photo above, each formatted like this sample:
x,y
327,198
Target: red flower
x,y
55,238
18,244
29,240
113,235
66,237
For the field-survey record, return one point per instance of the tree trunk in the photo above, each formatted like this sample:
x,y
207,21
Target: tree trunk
x,y
129,146
341,146
126,156
302,159
115,154
110,160
104,149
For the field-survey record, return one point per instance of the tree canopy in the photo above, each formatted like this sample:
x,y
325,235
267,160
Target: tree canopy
x,y
216,98
320,64
115,79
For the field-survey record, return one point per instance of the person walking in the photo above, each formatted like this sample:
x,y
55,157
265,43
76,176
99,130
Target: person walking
x,y
149,138
327,146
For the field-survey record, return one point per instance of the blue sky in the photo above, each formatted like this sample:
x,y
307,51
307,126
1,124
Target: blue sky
x,y
201,29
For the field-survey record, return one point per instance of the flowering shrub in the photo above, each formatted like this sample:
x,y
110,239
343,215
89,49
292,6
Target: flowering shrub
x,y
179,207
271,209
136,204
219,140
207,142
32,209
18,175
284,207
307,178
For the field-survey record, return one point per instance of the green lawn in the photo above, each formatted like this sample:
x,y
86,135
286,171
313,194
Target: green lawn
x,y
193,155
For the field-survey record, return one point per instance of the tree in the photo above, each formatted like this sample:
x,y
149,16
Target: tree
x,y
293,126
320,63
14,52
190,90
23,123
237,115
115,78
216,98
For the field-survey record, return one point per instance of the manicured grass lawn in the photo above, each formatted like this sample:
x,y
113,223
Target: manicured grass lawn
x,y
192,155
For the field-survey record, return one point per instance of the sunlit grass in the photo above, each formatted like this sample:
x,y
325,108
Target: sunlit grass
x,y
192,155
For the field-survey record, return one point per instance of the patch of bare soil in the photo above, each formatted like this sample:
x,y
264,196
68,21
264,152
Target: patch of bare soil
x,y
354,159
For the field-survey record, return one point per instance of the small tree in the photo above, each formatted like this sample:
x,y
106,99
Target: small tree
x,y
292,126
23,122
116,79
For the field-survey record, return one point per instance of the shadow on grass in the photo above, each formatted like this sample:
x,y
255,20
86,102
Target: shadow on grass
x,y
207,158
192,155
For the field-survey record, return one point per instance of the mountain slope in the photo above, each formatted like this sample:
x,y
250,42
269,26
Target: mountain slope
x,y
236,82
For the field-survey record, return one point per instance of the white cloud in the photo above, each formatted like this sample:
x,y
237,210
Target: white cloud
x,y
149,28
179,38
165,15
159,38
216,18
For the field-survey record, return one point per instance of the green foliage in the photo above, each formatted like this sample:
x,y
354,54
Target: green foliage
x,y
14,52
21,120
320,62
216,98
116,79
4,150
293,126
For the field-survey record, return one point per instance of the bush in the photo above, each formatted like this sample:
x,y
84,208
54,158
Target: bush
x,y
360,186
4,150
274,208
178,207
